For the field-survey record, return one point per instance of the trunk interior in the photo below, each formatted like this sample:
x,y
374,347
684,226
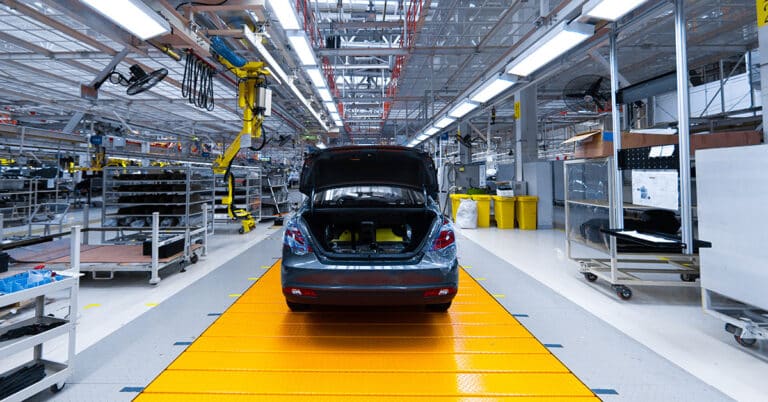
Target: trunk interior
x,y
369,230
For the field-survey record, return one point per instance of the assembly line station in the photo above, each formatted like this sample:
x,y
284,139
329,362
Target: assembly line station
x,y
600,163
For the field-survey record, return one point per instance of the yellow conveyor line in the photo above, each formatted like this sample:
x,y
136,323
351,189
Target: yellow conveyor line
x,y
258,350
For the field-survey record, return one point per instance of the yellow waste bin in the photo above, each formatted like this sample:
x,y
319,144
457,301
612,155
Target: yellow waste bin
x,y
504,210
455,201
483,210
526,212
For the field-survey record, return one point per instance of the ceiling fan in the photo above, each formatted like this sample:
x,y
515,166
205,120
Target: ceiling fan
x,y
139,81
588,93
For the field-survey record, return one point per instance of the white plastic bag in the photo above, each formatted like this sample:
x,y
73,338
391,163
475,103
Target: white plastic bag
x,y
466,214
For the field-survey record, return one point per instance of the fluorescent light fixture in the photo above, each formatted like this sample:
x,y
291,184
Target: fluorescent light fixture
x,y
553,44
462,108
338,123
493,87
431,131
325,94
317,77
422,137
133,15
265,55
302,48
320,145
335,116
284,12
610,10
331,106
444,122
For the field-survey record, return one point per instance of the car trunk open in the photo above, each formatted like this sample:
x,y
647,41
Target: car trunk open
x,y
351,233
377,165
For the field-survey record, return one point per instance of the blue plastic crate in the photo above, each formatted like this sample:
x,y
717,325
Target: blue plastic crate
x,y
26,280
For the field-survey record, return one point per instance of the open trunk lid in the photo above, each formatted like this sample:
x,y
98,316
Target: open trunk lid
x,y
369,165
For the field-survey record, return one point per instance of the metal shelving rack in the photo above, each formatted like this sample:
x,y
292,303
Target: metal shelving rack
x,y
56,372
134,193
248,193
22,198
278,193
588,185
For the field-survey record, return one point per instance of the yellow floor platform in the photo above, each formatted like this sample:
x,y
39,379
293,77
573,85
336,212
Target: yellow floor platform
x,y
260,351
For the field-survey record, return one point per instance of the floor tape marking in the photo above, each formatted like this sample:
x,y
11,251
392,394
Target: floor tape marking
x,y
553,345
92,305
132,389
604,391
182,343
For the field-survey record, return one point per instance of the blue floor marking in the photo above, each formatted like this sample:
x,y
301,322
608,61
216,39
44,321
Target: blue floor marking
x,y
132,389
553,345
520,315
182,343
604,391
213,314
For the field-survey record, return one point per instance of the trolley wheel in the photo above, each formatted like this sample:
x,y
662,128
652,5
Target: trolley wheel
x,y
689,277
56,388
624,292
241,230
193,259
297,306
590,276
747,343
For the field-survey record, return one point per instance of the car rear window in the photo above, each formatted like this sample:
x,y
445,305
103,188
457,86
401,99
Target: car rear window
x,y
369,196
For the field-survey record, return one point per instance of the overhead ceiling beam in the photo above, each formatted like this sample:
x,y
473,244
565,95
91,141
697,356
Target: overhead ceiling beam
x,y
24,44
363,51
366,25
53,56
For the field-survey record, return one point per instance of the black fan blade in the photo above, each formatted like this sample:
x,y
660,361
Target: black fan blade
x,y
594,89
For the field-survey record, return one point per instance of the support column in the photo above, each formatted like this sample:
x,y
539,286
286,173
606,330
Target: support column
x,y
618,183
683,126
762,34
526,148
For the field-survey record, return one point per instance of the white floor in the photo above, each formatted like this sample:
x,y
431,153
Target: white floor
x,y
669,321
106,305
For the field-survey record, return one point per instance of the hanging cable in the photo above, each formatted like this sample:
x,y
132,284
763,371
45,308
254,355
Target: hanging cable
x,y
197,83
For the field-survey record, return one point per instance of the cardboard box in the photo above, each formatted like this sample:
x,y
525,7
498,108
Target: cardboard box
x,y
600,145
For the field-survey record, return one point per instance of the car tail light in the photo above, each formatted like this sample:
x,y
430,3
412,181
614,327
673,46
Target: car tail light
x,y
299,292
295,239
439,292
444,239
443,248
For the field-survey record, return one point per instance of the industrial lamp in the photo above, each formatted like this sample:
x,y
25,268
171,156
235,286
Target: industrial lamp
x,y
133,15
553,44
610,10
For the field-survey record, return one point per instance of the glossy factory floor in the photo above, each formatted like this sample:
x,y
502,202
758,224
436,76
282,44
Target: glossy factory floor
x,y
228,336
259,350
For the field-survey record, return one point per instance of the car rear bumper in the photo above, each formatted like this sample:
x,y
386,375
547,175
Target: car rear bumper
x,y
389,286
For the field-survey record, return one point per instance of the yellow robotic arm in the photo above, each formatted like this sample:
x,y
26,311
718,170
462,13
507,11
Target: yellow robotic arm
x,y
253,98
